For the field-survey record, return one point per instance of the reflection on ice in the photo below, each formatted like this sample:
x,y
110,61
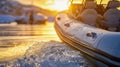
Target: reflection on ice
x,y
49,54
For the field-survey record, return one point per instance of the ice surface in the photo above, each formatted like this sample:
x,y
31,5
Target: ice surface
x,y
49,54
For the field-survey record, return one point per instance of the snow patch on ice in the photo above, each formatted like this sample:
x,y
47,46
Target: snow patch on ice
x,y
6,19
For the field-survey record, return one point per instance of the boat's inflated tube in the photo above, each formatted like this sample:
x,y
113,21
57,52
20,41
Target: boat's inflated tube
x,y
110,43
102,44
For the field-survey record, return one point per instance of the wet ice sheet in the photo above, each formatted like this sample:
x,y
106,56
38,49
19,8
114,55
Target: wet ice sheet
x,y
49,54
14,48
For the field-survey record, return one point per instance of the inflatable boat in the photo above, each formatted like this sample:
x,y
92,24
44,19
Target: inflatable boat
x,y
95,43
99,46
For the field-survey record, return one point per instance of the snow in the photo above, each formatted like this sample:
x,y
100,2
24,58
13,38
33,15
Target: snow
x,y
49,54
39,17
51,18
6,19
25,18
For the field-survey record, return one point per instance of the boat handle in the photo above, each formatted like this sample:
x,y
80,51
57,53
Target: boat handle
x,y
58,18
91,34
67,24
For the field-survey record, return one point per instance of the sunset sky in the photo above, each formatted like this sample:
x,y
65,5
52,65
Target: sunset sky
x,y
52,4
48,4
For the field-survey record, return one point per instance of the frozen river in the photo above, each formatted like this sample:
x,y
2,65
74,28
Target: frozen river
x,y
36,46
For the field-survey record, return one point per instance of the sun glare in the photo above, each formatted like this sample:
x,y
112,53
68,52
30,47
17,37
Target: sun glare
x,y
60,5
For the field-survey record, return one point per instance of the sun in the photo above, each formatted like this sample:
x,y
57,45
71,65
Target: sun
x,y
60,5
